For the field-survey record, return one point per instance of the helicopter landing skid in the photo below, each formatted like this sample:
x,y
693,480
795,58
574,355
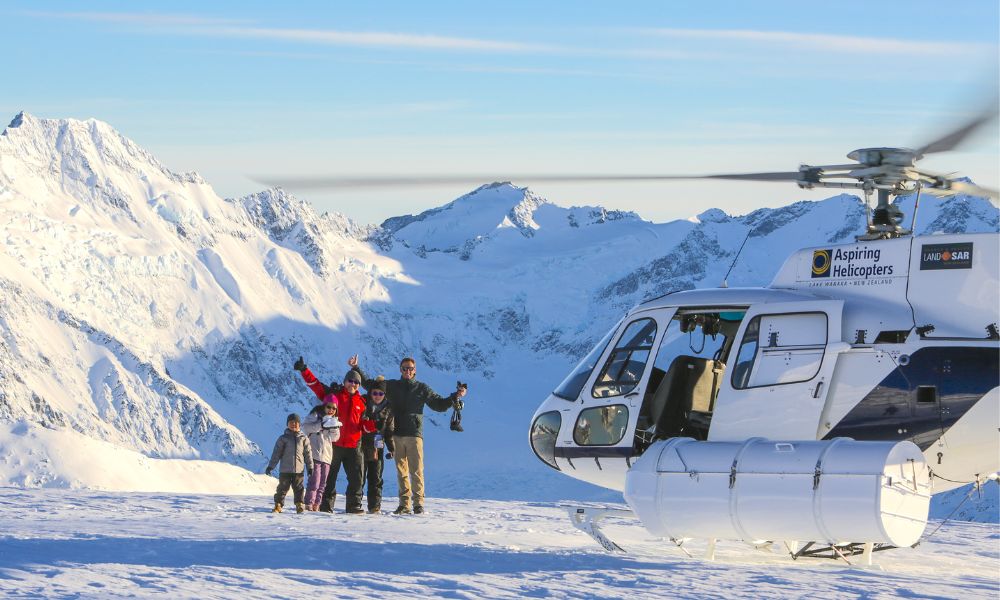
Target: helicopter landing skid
x,y
587,520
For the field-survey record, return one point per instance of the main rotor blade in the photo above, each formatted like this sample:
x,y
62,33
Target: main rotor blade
x,y
390,181
971,189
955,137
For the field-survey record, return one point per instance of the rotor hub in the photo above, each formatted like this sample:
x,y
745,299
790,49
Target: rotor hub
x,y
876,157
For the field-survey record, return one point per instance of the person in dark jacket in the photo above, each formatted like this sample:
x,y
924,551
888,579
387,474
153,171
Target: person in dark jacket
x,y
292,452
375,444
347,449
407,398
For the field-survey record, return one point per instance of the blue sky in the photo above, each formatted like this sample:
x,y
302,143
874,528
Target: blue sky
x,y
245,90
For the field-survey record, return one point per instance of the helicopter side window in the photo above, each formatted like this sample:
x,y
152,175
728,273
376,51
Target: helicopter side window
x,y
601,425
780,349
624,366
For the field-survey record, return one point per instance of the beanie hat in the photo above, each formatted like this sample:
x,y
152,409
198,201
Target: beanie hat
x,y
379,384
292,418
352,374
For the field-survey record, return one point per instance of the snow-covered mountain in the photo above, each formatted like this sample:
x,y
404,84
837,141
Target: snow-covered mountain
x,y
140,309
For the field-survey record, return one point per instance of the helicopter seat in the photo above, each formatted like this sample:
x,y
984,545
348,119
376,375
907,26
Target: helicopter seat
x,y
687,389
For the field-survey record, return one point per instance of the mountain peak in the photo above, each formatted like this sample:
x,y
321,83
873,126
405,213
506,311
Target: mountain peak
x,y
18,120
481,213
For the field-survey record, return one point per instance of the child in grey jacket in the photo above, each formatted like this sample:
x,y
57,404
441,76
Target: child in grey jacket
x,y
293,452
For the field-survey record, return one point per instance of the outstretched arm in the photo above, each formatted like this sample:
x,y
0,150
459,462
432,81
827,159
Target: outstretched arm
x,y
435,401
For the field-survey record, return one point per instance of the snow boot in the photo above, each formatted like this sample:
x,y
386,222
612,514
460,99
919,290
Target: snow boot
x,y
355,510
374,510
418,509
300,508
402,510
277,508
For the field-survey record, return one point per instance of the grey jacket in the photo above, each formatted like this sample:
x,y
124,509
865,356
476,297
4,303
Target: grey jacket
x,y
292,451
322,433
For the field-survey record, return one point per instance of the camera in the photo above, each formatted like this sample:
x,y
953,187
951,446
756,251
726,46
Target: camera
x,y
456,416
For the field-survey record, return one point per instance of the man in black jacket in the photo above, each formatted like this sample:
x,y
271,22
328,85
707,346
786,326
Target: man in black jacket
x,y
407,398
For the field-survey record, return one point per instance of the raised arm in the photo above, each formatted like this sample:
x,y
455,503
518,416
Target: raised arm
x,y
365,382
314,384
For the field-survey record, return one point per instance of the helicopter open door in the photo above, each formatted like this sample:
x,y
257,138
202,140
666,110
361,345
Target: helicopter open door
x,y
780,371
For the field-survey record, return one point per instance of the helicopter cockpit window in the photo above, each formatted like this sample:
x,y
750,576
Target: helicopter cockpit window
x,y
570,388
601,425
624,366
779,349
686,375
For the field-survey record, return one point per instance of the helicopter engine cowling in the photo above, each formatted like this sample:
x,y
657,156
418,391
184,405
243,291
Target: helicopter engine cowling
x,y
836,491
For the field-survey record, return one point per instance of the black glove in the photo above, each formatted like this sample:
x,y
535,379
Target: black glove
x,y
267,472
299,365
388,455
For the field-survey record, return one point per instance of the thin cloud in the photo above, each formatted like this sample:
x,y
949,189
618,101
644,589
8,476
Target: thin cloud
x,y
378,39
148,19
822,41
190,24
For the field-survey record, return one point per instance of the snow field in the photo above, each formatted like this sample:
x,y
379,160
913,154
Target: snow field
x,y
59,543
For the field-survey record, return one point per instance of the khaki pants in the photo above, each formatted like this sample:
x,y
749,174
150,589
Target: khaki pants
x,y
409,457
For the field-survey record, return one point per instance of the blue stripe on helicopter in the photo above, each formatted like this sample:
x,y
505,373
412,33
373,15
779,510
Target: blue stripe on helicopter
x,y
896,409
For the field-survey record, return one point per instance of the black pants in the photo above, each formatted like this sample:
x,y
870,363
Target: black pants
x,y
351,459
289,480
373,475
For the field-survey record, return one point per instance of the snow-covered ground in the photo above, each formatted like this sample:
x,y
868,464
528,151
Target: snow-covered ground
x,y
62,543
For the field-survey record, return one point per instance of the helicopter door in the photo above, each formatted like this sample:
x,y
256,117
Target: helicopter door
x,y
779,372
595,441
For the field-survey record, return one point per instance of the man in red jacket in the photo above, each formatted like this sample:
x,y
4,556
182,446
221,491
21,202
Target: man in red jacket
x,y
346,450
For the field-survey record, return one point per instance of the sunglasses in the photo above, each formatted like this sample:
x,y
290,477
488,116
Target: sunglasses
x,y
407,368
352,381
378,393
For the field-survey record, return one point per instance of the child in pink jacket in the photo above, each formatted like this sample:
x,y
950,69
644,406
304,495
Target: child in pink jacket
x,y
323,429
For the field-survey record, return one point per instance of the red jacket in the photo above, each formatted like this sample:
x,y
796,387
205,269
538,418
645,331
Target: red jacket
x,y
350,409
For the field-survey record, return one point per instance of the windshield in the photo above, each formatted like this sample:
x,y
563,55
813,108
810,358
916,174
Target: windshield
x,y
570,388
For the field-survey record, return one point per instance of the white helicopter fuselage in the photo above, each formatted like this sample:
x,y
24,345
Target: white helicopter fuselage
x,y
887,340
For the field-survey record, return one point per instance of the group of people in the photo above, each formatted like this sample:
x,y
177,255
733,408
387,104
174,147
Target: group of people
x,y
358,432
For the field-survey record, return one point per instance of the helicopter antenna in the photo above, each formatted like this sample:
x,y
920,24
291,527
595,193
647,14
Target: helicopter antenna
x,y
916,205
725,280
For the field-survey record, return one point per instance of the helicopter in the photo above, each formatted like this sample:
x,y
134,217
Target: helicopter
x,y
822,410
